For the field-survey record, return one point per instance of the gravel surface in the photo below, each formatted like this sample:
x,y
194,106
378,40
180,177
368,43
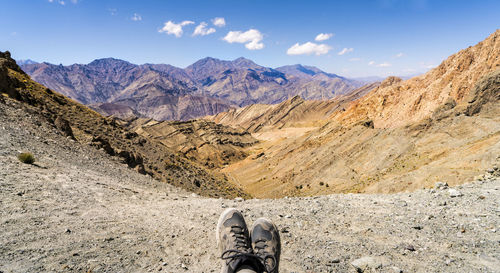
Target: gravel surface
x,y
79,210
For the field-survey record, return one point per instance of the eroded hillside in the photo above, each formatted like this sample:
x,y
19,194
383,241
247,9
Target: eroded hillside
x,y
210,144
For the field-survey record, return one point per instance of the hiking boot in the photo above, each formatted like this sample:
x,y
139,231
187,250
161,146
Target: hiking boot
x,y
234,242
266,244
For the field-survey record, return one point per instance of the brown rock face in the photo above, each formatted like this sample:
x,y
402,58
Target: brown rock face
x,y
64,126
487,90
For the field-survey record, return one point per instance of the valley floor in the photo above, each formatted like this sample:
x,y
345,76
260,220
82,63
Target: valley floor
x,y
79,210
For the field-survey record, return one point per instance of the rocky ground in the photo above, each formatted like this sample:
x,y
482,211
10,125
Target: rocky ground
x,y
79,210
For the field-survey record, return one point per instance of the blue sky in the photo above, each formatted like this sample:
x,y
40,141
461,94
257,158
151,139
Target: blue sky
x,y
377,38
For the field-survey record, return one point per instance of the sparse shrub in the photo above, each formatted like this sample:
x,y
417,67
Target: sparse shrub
x,y
321,183
26,158
327,185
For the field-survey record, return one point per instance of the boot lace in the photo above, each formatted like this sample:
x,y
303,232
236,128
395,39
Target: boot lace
x,y
260,249
241,249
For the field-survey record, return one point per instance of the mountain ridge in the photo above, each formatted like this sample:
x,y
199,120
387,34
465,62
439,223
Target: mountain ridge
x,y
224,84
451,80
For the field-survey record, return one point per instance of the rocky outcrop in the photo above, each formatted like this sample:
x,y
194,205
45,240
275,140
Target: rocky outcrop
x,y
7,85
486,91
64,126
210,144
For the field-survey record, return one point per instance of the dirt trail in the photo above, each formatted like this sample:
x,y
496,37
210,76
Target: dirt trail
x,y
80,210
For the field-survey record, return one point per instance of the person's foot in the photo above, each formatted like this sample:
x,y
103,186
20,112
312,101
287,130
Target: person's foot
x,y
234,242
266,244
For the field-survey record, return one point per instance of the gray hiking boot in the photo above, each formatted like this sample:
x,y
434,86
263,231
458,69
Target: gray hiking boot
x,y
266,244
234,242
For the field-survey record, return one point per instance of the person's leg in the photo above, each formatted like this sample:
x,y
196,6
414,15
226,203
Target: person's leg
x,y
246,269
266,244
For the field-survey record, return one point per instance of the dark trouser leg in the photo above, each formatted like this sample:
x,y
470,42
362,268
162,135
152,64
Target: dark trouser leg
x,y
246,269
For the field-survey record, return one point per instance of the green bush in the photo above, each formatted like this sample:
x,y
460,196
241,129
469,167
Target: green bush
x,y
26,158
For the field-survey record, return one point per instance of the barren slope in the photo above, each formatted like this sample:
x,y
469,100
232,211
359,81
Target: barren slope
x,y
81,210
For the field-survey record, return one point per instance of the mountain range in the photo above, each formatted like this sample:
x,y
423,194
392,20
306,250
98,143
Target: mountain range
x,y
164,92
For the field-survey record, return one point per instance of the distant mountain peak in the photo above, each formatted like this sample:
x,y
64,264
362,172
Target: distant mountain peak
x,y
26,62
206,60
241,59
206,63
304,71
108,61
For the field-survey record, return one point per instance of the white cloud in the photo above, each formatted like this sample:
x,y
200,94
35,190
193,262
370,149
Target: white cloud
x,y
385,64
346,50
354,59
308,49
399,55
252,38
202,29
175,29
136,17
323,36
219,22
371,63
62,2
113,11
